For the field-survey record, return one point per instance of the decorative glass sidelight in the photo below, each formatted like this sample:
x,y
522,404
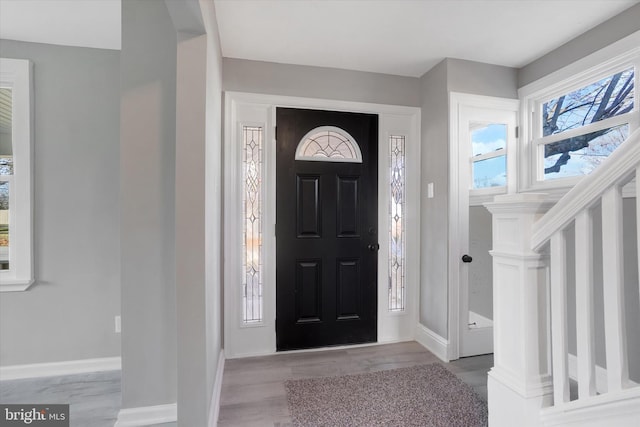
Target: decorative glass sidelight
x,y
252,164
397,219
328,144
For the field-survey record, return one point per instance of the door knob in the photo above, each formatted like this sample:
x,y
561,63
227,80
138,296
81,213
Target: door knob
x,y
466,258
373,247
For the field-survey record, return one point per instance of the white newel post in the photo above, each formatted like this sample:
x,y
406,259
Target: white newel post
x,y
519,384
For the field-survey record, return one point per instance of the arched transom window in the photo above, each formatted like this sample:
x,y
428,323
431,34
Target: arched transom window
x,y
328,144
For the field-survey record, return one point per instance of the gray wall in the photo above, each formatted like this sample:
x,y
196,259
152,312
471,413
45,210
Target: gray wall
x,y
68,313
481,79
481,269
608,32
631,288
317,82
190,231
434,212
147,198
450,75
198,212
213,201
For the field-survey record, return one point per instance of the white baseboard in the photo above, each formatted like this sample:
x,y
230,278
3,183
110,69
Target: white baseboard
x,y
214,406
147,415
71,367
433,342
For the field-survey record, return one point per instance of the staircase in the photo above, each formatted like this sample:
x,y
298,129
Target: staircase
x,y
561,354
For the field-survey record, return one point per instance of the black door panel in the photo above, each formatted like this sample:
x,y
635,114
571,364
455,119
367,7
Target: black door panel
x,y
326,220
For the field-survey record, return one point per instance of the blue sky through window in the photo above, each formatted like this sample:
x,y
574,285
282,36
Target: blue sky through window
x,y
484,140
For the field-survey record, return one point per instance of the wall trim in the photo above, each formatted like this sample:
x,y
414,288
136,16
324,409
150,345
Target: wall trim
x,y
433,342
52,369
147,415
214,406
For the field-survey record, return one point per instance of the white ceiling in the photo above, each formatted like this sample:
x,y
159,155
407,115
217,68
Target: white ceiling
x,y
88,23
405,37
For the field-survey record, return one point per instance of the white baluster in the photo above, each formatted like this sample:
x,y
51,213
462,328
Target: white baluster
x,y
613,289
584,304
559,341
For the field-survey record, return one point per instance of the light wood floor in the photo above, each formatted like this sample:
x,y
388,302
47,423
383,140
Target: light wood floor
x,y
253,392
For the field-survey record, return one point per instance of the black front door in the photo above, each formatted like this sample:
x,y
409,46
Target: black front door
x,y
326,234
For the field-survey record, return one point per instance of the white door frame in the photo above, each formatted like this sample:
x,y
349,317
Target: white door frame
x,y
243,109
458,217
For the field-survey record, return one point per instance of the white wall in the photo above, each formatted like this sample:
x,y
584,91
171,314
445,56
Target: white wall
x,y
68,314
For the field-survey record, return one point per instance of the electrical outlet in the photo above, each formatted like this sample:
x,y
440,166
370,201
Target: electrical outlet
x,y
118,325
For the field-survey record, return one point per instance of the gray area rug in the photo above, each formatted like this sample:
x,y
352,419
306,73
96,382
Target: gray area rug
x,y
426,395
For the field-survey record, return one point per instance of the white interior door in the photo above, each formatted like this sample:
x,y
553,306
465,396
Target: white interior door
x,y
486,135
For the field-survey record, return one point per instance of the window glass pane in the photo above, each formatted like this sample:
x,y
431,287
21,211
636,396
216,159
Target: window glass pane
x,y
609,97
328,144
4,225
582,154
488,138
252,224
490,172
397,243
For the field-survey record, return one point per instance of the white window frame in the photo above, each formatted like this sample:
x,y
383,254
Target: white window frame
x,y
618,57
16,74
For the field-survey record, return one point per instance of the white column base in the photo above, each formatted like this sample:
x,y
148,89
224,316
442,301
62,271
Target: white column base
x,y
508,408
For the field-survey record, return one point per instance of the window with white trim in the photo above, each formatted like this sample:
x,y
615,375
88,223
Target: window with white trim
x,y
575,124
16,255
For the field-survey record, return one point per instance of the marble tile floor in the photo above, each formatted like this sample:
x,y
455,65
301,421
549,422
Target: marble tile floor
x,y
94,398
253,391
